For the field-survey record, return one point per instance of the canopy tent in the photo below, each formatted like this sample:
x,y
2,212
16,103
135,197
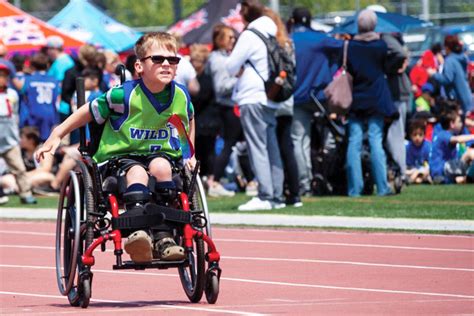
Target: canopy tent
x,y
386,23
197,27
88,23
21,32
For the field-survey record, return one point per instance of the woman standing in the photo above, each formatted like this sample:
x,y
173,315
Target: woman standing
x,y
223,39
371,104
284,116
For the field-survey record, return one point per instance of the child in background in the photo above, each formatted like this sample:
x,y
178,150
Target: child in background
x,y
41,93
425,101
91,85
10,138
418,152
445,164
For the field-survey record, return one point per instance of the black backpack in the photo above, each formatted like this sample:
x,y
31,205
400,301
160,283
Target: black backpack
x,y
278,60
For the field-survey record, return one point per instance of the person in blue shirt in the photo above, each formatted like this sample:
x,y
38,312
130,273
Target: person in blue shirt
x,y
41,93
314,71
445,164
453,77
418,152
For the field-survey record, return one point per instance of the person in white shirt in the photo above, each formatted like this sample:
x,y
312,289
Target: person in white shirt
x,y
257,114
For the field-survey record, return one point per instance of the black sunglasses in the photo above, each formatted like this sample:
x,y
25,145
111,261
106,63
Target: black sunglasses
x,y
158,59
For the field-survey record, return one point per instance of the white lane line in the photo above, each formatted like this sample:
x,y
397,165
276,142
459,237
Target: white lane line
x,y
288,284
359,289
319,231
356,263
290,243
339,244
385,265
26,233
163,306
52,296
314,230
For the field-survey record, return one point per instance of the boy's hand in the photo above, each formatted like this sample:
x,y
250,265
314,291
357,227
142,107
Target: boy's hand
x,y
50,146
191,163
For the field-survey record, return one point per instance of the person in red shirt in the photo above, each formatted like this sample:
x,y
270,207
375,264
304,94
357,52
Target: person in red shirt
x,y
432,58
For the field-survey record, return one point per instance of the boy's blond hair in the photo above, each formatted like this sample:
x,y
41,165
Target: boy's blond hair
x,y
161,39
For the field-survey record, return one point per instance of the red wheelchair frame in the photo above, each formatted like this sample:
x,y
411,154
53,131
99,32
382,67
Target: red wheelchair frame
x,y
82,225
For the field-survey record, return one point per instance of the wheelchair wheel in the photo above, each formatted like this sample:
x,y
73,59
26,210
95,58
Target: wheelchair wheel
x,y
198,200
212,287
73,236
193,277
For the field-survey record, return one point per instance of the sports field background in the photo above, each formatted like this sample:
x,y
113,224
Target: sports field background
x,y
420,201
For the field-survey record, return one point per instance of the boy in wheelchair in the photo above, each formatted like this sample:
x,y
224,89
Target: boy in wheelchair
x,y
147,130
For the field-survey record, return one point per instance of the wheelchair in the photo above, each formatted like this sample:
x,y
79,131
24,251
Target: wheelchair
x,y
89,215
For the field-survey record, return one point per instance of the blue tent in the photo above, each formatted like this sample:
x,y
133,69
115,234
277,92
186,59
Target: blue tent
x,y
84,21
386,23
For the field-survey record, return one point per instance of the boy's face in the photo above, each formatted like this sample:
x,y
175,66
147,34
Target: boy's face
x,y
456,125
27,143
91,83
417,137
152,72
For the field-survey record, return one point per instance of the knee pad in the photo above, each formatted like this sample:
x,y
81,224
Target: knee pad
x,y
165,192
136,195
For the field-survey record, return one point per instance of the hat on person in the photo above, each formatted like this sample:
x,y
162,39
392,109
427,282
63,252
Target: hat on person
x,y
54,41
366,21
427,87
4,68
301,16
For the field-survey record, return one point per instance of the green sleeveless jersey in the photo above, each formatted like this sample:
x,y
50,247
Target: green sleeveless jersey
x,y
136,122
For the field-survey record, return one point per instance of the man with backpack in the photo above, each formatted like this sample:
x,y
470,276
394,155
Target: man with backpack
x,y
249,62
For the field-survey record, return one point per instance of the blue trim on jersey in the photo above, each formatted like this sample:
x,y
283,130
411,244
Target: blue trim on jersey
x,y
188,99
156,104
128,87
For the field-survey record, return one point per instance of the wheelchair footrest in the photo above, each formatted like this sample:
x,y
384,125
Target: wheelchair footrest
x,y
155,264
153,215
170,214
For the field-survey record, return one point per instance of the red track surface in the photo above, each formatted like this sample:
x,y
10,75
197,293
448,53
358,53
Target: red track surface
x,y
264,272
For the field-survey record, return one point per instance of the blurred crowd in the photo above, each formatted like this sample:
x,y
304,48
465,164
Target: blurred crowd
x,y
404,126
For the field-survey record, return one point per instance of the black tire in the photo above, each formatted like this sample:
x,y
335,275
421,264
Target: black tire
x,y
198,200
80,295
85,293
194,199
193,277
76,230
89,202
67,234
212,287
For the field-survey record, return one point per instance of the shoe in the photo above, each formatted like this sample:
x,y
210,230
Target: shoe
x,y
278,204
218,190
46,190
251,189
167,249
255,204
139,247
4,200
294,201
30,199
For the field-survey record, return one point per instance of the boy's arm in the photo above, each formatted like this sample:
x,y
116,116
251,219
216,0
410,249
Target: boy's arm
x,y
192,131
461,138
79,118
